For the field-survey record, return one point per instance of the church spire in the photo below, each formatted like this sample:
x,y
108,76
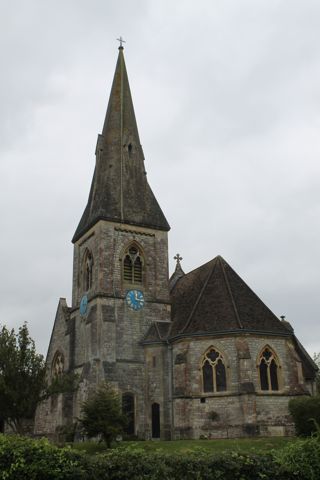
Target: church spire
x,y
120,191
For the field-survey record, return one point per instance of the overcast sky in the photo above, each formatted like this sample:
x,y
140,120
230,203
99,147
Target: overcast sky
x,y
227,100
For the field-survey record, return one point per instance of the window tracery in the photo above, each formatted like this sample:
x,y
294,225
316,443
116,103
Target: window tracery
x,y
133,265
58,364
268,370
214,372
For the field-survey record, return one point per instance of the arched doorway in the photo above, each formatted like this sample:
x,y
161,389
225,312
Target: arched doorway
x,y
155,414
128,410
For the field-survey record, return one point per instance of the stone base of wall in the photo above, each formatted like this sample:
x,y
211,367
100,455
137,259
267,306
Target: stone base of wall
x,y
235,431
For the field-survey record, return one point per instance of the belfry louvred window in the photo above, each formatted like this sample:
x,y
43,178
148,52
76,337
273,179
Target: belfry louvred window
x,y
213,372
133,266
268,370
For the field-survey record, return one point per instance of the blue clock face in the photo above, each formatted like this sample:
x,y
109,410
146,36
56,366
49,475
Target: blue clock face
x,y
135,299
83,305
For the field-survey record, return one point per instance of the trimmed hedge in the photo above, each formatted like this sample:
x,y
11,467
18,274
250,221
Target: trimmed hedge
x,y
136,465
26,459
304,411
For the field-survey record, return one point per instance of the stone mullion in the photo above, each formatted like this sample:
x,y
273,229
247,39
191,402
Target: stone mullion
x,y
269,376
214,377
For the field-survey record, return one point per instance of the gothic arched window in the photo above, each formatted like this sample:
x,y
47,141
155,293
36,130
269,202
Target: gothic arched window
x,y
133,265
87,270
214,372
268,370
57,364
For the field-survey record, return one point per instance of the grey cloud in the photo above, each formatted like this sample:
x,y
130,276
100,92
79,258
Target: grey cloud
x,y
227,102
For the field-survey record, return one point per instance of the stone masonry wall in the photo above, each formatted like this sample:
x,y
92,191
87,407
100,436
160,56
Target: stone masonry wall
x,y
243,409
49,414
157,380
108,338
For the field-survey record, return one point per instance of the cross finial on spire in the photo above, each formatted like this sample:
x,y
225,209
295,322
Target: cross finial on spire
x,y
120,39
178,258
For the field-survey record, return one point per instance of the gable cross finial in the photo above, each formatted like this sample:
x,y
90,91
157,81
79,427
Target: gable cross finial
x,y
120,39
178,258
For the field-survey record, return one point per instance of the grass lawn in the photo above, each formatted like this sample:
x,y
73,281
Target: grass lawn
x,y
244,445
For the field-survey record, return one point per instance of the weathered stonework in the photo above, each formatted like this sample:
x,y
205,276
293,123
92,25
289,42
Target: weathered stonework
x,y
243,409
156,354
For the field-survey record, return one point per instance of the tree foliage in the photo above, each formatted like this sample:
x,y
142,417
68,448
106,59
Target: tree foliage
x,y
101,414
23,380
305,412
316,359
22,376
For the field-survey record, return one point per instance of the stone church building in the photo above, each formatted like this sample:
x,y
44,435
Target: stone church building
x,y
197,355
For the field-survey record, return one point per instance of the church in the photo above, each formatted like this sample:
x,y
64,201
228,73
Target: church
x,y
197,355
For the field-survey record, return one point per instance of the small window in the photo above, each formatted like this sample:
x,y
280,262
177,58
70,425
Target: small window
x,y
87,269
268,370
213,372
133,266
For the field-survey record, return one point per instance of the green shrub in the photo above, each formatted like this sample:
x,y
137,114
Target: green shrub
x,y
304,411
101,414
25,459
301,459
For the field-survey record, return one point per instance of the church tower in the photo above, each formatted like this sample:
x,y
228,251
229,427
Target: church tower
x,y
120,273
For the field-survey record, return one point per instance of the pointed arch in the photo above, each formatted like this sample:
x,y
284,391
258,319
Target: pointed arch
x,y
268,366
87,270
133,264
58,364
213,368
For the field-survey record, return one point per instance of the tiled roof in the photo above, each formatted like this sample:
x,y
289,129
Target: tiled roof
x,y
213,298
158,332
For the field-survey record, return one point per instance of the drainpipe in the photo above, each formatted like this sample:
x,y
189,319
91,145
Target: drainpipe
x,y
170,365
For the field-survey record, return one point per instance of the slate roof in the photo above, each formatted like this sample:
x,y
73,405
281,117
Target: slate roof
x,y
308,365
120,191
158,332
213,299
